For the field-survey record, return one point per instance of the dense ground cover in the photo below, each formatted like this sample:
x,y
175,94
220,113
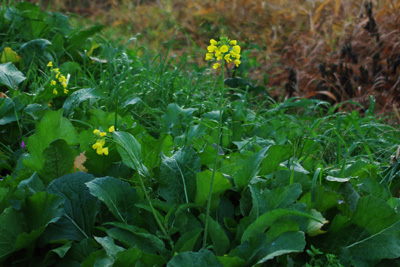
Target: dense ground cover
x,y
108,152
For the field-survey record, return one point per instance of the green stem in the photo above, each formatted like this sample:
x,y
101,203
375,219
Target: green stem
x,y
154,212
147,197
216,155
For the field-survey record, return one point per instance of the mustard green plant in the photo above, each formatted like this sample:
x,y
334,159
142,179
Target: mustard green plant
x,y
57,78
101,141
220,52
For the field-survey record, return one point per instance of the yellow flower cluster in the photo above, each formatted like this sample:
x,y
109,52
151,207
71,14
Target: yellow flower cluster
x,y
225,49
100,142
58,77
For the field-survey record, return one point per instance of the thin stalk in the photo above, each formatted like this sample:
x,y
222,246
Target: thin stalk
x,y
216,155
154,212
148,198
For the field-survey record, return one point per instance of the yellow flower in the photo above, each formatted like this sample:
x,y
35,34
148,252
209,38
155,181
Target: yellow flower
x,y
216,66
213,42
64,84
96,131
102,134
209,56
234,54
211,48
96,145
55,91
53,82
227,58
111,129
105,151
99,150
237,62
66,91
236,49
218,54
102,142
233,42
224,48
50,64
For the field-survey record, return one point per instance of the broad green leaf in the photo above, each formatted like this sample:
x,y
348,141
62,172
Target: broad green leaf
x,y
178,176
78,97
288,242
35,51
76,39
176,120
218,236
120,197
228,261
136,257
9,55
195,259
188,240
350,195
7,111
130,150
52,127
32,185
109,246
59,160
249,170
20,229
133,236
267,219
220,185
373,235
314,227
80,208
12,224
10,76
275,155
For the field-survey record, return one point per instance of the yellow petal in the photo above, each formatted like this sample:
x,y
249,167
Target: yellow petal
x,y
96,131
224,48
216,66
102,134
111,129
50,64
105,151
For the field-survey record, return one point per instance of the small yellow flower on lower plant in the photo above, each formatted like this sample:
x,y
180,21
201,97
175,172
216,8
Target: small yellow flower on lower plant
x,y
99,145
53,82
102,134
66,91
50,64
55,91
111,129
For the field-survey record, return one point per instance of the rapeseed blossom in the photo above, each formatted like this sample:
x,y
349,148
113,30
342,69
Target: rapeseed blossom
x,y
100,142
62,80
225,49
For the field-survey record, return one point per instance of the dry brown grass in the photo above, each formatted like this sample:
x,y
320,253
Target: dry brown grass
x,y
330,47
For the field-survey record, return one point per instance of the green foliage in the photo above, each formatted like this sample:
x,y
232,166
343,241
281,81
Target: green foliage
x,y
293,183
